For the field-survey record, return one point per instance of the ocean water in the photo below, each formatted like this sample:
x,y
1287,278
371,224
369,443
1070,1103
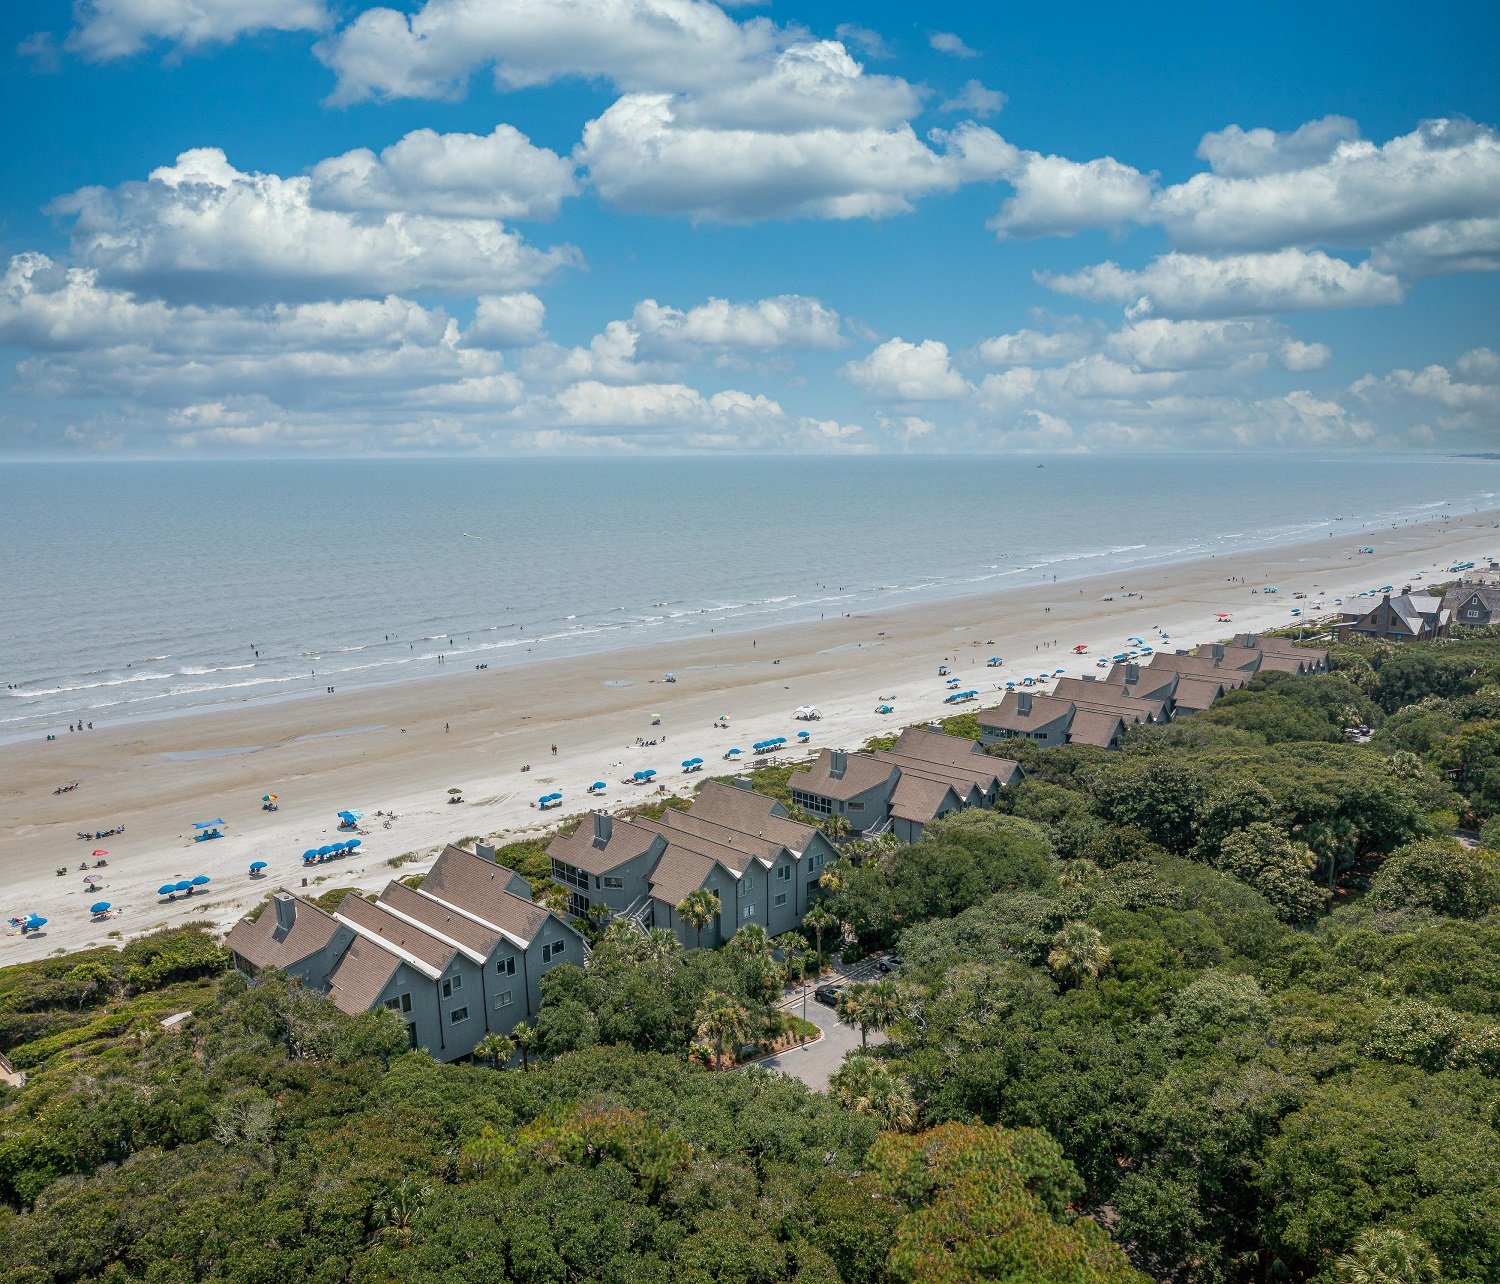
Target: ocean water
x,y
137,590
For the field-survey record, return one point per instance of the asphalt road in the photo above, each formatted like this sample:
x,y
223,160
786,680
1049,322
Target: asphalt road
x,y
814,1063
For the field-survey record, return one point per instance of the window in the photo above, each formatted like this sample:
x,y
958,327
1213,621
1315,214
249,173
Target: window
x,y
458,1015
783,873
570,875
815,861
748,912
811,802
451,984
613,883
856,806
401,1003
550,952
505,967
503,999
780,899
1473,615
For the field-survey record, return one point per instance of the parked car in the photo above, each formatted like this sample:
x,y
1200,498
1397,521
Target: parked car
x,y
888,962
827,995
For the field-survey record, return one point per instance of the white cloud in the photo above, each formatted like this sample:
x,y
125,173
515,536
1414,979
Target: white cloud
x,y
976,99
1032,347
870,43
498,175
1159,344
201,229
642,156
786,321
1443,171
506,321
948,43
902,371
1245,153
1295,355
117,28
1439,249
1058,197
1476,388
635,44
1188,285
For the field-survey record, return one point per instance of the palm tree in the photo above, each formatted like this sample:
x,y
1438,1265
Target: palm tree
x,y
721,1019
524,1037
394,1210
870,1087
1384,1255
660,945
753,940
1078,954
698,908
835,826
496,1049
883,1005
818,920
854,1009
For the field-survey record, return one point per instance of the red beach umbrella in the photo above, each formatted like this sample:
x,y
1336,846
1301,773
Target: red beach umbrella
x,y
99,851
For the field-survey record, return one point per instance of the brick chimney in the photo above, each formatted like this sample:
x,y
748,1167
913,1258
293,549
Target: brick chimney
x,y
286,910
604,826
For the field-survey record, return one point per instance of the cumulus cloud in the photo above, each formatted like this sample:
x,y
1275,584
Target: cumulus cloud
x,y
1189,285
1473,385
947,43
497,175
870,43
506,321
643,155
1440,249
1445,170
786,321
635,44
1032,347
1246,153
1160,344
902,371
976,99
1058,197
108,29
202,230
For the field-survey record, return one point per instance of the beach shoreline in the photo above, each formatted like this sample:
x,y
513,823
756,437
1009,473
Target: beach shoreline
x,y
400,747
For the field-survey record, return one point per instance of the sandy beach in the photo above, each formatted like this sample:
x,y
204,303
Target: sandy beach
x,y
401,748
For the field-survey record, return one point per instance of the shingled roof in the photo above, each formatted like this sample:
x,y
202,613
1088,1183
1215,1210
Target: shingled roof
x,y
265,943
678,872
861,773
412,943
917,798
363,972
584,851
472,885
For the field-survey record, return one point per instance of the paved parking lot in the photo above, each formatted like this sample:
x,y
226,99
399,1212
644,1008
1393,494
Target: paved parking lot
x,y
814,1063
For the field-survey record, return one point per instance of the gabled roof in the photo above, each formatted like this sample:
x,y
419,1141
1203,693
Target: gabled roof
x,y
861,773
751,813
1045,710
264,943
1202,666
477,939
1157,684
679,872
582,850
1097,727
1195,693
1281,663
1111,695
937,746
462,881
364,971
413,944
964,780
735,858
1488,595
918,798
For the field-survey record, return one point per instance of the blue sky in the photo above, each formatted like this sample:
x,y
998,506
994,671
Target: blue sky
x,y
237,227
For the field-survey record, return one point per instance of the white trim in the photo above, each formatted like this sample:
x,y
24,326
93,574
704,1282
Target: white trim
x,y
426,969
473,956
474,918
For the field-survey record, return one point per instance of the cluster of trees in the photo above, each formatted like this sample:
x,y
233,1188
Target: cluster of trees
x,y
1233,993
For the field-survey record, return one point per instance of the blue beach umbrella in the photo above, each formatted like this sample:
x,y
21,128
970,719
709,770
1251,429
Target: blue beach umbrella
x,y
326,851
733,753
99,907
349,817
34,921
207,824
183,886
167,890
353,843
688,762
309,853
200,880
649,772
598,786
257,865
